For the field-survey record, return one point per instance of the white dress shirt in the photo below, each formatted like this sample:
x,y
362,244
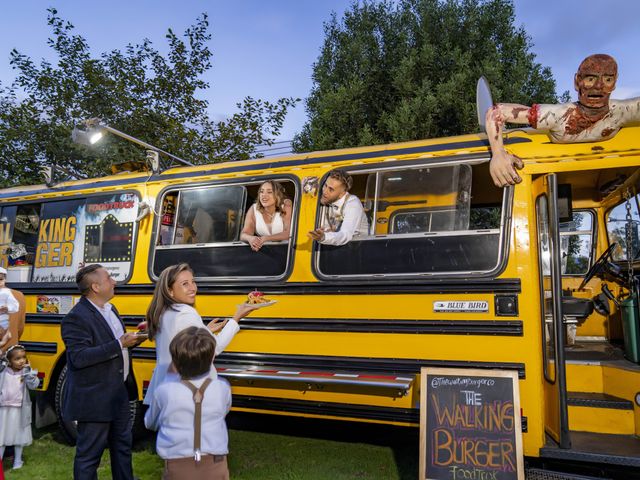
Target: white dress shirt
x,y
116,327
346,216
173,320
172,411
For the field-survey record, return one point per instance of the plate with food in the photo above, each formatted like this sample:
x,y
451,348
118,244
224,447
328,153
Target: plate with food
x,y
258,299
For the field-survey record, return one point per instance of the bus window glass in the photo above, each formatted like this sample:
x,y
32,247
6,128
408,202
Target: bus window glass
x,y
576,240
20,241
209,215
98,229
7,221
435,219
439,195
619,227
168,219
25,231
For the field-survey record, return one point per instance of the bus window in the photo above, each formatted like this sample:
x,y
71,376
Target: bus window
x,y
203,215
425,219
18,239
7,221
25,231
618,227
576,243
81,231
201,226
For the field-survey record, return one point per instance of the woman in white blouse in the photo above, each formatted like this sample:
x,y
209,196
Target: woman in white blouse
x,y
269,218
172,310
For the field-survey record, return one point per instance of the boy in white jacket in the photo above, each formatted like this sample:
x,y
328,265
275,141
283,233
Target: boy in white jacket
x,y
189,410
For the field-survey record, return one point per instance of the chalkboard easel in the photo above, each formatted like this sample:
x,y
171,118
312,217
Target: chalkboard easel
x,y
470,425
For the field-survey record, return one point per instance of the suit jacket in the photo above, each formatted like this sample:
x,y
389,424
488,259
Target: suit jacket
x,y
95,388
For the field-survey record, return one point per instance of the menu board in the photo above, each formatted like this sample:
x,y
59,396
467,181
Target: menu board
x,y
77,232
470,425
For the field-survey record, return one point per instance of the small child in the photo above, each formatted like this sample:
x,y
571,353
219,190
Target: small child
x,y
15,403
189,411
8,303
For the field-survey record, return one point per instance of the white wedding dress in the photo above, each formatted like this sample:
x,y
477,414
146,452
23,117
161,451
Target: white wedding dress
x,y
262,228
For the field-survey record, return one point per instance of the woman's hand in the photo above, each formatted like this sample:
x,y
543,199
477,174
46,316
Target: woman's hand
x,y
242,311
256,243
217,324
4,339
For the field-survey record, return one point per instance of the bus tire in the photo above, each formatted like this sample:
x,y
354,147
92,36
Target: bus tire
x,y
69,429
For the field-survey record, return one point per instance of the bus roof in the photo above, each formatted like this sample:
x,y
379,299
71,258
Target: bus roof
x,y
528,144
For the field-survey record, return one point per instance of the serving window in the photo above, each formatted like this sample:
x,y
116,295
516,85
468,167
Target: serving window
x,y
201,226
19,225
425,219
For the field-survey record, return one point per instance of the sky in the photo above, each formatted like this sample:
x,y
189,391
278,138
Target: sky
x,y
266,48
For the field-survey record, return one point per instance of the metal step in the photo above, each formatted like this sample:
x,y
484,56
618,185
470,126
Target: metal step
x,y
311,379
541,474
598,400
621,450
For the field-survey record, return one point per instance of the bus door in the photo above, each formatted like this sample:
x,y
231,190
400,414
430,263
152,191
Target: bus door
x,y
545,191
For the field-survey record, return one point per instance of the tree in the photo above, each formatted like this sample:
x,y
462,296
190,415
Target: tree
x,y
395,71
135,90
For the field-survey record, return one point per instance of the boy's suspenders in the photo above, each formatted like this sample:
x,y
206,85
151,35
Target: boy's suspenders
x,y
198,394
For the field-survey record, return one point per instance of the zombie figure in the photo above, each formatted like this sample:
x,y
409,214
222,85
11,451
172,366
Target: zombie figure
x,y
592,118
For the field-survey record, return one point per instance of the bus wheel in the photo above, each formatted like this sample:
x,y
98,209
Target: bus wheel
x,y
69,429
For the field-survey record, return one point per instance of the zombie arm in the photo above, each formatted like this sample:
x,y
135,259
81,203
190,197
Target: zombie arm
x,y
503,164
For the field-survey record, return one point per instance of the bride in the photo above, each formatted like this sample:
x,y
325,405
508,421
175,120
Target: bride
x,y
269,218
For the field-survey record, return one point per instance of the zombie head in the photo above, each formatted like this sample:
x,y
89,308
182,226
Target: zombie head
x,y
595,80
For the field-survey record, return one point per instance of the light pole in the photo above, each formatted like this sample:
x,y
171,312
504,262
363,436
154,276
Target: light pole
x,y
94,130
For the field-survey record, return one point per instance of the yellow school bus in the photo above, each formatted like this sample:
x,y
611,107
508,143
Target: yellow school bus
x,y
454,273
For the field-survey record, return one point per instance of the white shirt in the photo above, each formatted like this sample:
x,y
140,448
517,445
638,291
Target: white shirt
x,y
116,327
7,300
347,215
172,412
172,321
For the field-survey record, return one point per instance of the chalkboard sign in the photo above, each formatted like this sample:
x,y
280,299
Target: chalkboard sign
x,y
470,425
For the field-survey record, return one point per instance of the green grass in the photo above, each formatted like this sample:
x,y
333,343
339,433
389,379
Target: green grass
x,y
262,448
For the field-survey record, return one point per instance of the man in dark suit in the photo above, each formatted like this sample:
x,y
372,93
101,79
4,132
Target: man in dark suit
x,y
99,383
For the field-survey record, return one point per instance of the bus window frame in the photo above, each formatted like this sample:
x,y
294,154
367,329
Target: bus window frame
x,y
246,181
594,237
469,159
134,245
